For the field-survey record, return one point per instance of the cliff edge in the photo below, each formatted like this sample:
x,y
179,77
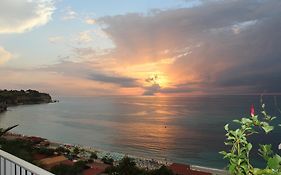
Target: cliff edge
x,y
15,97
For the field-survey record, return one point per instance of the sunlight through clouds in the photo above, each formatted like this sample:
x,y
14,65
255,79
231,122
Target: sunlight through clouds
x,y
192,47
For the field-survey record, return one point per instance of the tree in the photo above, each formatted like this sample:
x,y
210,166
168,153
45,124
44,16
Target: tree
x,y
94,156
107,160
62,150
125,167
76,150
163,170
63,170
4,131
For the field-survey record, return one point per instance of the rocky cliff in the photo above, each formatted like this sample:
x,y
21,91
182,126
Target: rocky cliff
x,y
14,97
3,106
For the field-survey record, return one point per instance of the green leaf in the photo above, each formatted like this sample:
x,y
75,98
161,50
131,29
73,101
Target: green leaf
x,y
245,120
267,128
223,152
230,138
228,143
231,168
274,162
249,146
226,127
236,121
265,151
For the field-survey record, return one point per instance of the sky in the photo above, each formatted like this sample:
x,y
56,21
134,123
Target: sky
x,y
141,47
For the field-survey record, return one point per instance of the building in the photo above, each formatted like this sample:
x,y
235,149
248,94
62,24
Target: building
x,y
96,169
182,169
50,162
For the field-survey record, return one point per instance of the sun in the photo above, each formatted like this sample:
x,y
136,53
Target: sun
x,y
157,79
163,81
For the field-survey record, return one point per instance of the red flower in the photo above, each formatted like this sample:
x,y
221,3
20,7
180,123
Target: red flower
x,y
252,110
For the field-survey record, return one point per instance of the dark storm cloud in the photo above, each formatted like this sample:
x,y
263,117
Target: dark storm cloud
x,y
233,43
118,80
152,90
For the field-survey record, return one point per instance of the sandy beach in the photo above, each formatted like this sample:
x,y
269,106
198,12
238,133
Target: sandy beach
x,y
86,151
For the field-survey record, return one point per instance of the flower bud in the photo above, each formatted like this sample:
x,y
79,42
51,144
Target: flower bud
x,y
252,111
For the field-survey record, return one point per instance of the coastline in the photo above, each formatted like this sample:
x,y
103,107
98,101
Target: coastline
x,y
10,98
141,162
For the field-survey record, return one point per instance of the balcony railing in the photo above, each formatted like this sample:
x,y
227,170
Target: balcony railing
x,y
12,165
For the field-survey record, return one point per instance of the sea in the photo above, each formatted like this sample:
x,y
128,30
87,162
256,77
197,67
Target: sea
x,y
179,129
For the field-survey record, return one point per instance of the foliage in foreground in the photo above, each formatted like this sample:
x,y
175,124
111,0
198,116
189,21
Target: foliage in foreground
x,y
4,131
239,153
20,148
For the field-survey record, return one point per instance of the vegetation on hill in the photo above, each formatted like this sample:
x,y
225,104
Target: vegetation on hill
x,y
15,97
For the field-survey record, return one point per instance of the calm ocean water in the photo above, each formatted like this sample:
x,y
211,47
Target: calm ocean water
x,y
181,129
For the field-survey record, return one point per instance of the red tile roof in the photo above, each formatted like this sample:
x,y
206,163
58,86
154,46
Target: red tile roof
x,y
193,172
39,156
50,162
92,171
96,168
68,162
182,169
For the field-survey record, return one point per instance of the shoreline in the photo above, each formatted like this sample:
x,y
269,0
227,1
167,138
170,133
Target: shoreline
x,y
141,162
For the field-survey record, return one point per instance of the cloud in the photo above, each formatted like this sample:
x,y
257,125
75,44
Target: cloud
x,y
47,81
5,56
95,34
115,79
215,47
237,28
18,16
69,14
177,89
90,21
90,44
217,44
55,39
85,36
91,71
85,52
152,90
